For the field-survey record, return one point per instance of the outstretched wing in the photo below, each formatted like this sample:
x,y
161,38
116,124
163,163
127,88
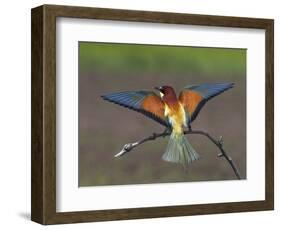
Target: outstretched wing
x,y
145,102
193,97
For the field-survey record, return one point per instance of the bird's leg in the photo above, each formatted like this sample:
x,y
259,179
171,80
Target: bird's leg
x,y
166,131
189,127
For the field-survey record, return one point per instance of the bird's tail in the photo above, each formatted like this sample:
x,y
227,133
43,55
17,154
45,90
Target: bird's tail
x,y
179,150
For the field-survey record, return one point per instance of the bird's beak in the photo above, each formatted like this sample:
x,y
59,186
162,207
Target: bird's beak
x,y
158,88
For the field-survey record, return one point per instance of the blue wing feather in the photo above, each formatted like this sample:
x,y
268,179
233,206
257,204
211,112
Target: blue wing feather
x,y
128,99
209,90
133,100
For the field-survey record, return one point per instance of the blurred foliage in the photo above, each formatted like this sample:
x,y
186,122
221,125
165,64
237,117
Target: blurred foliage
x,y
156,59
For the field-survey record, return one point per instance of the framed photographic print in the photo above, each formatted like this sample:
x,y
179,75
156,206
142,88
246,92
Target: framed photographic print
x,y
140,114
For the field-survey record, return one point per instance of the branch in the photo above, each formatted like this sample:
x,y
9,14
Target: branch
x,y
219,143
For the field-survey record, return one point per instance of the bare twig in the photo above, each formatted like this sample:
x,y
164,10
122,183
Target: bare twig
x,y
219,143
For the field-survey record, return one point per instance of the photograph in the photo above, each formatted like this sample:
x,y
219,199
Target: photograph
x,y
160,114
175,108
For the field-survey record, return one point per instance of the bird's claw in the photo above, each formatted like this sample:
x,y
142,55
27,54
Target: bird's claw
x,y
166,132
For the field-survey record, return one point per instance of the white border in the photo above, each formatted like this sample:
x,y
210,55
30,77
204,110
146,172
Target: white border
x,y
72,198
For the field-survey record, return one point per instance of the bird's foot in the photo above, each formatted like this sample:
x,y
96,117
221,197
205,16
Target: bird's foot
x,y
166,132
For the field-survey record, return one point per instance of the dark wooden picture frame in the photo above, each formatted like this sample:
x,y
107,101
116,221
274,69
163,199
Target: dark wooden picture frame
x,y
43,170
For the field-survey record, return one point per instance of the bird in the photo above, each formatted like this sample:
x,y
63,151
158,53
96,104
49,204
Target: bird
x,y
175,113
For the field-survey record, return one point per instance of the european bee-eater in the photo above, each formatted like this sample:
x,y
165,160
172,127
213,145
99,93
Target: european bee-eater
x,y
172,112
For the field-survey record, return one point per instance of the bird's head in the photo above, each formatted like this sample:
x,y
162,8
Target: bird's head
x,y
166,92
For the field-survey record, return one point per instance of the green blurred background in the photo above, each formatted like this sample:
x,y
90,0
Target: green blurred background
x,y
105,127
